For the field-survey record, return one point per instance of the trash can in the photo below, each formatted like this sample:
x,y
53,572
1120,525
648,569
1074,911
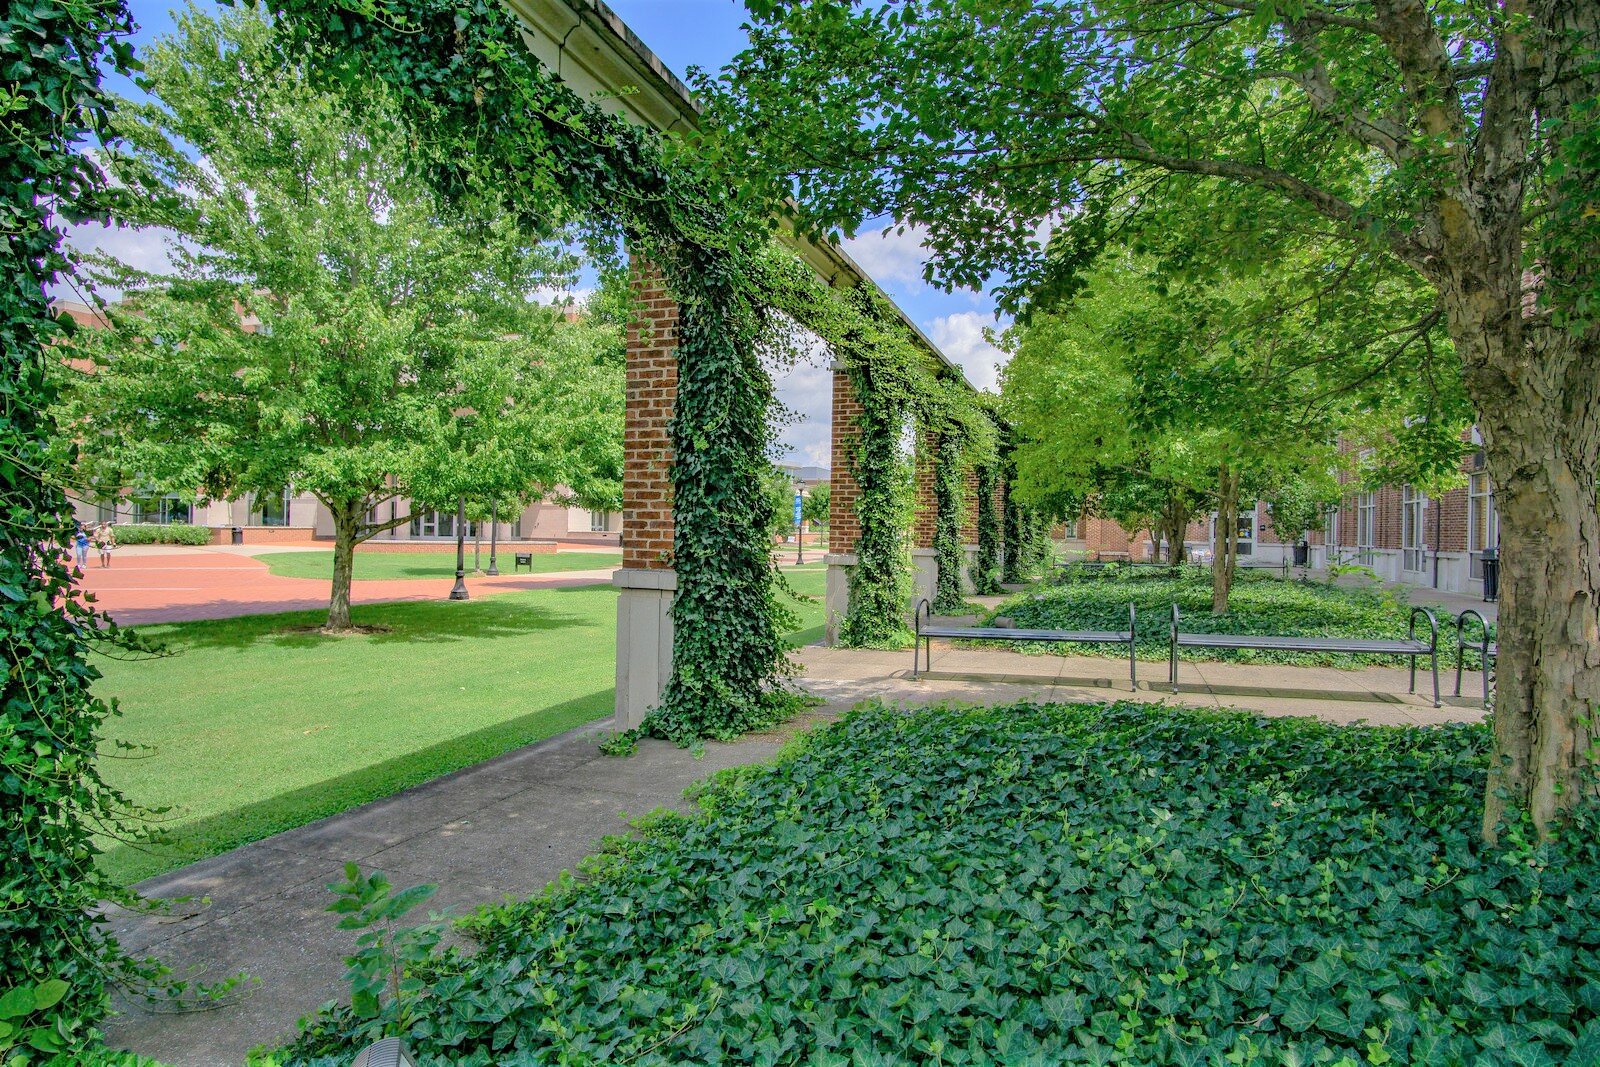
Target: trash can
x,y
1491,575
238,535
1302,554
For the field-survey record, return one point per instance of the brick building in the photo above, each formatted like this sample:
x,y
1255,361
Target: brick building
x,y
1400,532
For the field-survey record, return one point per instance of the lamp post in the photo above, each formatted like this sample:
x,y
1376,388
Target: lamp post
x,y
494,530
459,591
799,526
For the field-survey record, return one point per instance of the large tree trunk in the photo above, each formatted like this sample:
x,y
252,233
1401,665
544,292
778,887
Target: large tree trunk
x,y
1177,523
346,528
1539,412
1228,543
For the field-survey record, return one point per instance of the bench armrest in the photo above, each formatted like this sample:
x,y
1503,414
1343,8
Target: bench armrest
x,y
924,611
1433,625
1461,627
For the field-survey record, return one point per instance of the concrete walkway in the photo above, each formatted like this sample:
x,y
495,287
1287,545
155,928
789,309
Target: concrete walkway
x,y
509,826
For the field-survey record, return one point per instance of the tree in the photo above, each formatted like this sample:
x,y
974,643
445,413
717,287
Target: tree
x,y
324,327
1458,139
815,507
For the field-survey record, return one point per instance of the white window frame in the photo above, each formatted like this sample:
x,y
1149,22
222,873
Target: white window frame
x,y
1480,501
1366,526
599,522
1413,529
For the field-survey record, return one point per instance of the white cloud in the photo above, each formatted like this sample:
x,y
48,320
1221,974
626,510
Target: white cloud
x,y
889,256
961,337
806,393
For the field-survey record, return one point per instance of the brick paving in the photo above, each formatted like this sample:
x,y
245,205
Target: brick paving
x,y
158,584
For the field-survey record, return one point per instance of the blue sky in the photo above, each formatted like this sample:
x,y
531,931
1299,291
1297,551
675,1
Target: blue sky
x,y
707,33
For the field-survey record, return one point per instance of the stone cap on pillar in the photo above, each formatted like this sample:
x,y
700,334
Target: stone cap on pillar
x,y
841,559
640,578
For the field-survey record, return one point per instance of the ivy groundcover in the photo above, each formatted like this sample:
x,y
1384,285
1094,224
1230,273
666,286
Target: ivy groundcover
x,y
1044,885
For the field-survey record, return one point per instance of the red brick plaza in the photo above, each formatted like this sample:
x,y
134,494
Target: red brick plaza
x,y
149,585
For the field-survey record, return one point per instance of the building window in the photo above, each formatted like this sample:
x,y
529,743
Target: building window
x,y
1366,526
272,509
599,522
1413,541
162,510
1483,522
438,524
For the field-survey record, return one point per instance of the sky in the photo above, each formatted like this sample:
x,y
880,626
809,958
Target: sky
x,y
707,34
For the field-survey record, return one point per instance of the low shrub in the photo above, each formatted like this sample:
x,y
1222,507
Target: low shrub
x,y
1260,604
1044,884
150,533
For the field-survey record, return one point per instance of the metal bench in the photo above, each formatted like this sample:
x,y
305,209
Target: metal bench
x,y
524,559
1411,647
1489,650
926,632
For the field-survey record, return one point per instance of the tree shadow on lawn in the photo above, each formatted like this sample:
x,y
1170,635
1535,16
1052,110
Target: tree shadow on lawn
x,y
407,622
215,834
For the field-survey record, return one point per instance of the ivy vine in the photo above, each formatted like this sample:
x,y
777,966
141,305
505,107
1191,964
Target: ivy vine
x,y
491,121
986,578
53,802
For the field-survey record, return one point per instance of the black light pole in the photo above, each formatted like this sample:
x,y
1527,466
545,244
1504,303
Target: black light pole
x,y
494,529
799,526
459,592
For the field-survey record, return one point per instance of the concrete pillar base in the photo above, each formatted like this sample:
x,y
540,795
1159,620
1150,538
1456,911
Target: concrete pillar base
x,y
924,576
836,597
644,641
969,569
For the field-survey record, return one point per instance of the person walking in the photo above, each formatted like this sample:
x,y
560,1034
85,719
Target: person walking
x,y
106,540
80,547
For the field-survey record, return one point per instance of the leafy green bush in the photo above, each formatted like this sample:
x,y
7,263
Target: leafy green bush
x,y
1260,604
1060,884
150,533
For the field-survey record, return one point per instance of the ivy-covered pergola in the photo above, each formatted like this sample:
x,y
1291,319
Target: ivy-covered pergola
x,y
554,112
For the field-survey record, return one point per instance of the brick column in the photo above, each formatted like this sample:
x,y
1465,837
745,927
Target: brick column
x,y
647,583
924,520
844,528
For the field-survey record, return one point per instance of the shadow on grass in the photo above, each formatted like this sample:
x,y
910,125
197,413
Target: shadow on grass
x,y
415,621
215,834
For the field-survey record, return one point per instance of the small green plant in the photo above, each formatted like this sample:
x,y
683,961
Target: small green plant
x,y
385,951
1341,570
24,1034
621,743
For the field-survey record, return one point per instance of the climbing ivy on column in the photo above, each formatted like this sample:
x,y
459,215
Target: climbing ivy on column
x,y
492,122
958,433
1011,526
987,579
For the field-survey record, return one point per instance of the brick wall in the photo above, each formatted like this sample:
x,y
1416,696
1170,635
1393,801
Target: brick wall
x,y
650,391
844,528
926,515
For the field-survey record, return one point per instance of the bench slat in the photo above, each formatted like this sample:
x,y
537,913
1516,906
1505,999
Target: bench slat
x,y
1303,644
996,633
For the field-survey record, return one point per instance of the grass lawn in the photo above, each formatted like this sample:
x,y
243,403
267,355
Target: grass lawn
x,y
1084,884
377,565
1260,603
257,728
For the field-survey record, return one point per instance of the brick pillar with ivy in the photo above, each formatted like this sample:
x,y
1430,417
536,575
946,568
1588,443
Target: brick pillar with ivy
x,y
844,527
924,521
969,530
646,583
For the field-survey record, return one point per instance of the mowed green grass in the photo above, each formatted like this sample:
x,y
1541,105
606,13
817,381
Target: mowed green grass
x,y
374,566
260,724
